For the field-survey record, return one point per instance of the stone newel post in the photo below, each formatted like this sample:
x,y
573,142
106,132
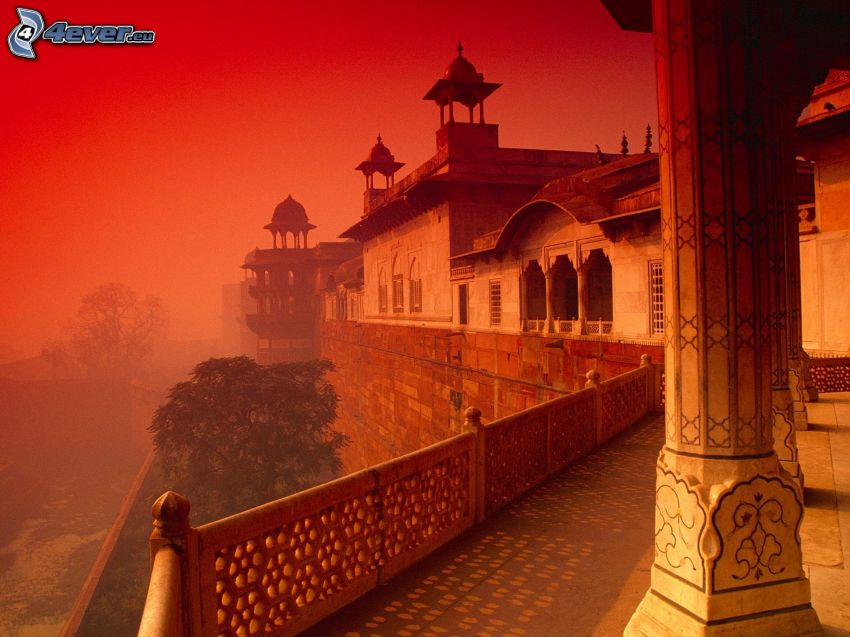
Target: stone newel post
x,y
472,423
727,517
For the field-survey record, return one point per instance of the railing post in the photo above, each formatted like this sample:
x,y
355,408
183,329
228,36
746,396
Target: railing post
x,y
593,383
472,423
646,361
165,607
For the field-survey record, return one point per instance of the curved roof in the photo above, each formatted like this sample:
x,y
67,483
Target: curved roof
x,y
461,70
590,196
380,153
290,214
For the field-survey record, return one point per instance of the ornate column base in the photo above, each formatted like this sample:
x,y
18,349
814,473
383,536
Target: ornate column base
x,y
659,616
727,552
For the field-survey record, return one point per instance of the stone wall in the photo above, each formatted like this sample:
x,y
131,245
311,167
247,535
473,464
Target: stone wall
x,y
405,387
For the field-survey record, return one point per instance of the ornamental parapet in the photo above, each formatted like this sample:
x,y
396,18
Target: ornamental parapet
x,y
279,568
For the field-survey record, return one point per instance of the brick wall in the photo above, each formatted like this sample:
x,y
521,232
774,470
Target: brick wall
x,y
405,387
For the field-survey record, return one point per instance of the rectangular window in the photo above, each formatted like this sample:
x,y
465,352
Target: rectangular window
x,y
415,295
656,297
398,293
495,302
463,303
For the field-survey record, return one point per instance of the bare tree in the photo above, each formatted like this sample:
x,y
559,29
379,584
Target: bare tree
x,y
112,332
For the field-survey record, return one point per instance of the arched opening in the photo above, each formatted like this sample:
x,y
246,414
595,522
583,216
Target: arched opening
x,y
534,284
398,286
330,284
564,290
600,305
382,290
415,287
341,305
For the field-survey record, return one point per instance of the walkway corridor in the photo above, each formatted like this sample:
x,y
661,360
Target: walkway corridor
x,y
572,558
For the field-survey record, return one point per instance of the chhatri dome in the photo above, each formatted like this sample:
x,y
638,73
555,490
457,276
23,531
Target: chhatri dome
x,y
381,161
380,153
290,217
461,70
463,84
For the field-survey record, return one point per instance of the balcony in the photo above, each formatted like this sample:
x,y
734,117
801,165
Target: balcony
x,y
279,568
462,272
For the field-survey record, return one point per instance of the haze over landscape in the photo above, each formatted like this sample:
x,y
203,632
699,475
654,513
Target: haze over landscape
x,y
157,166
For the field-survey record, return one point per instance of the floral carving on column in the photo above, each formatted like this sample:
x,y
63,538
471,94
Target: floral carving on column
x,y
758,525
679,526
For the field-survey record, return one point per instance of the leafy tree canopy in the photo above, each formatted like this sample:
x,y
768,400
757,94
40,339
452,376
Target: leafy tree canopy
x,y
238,434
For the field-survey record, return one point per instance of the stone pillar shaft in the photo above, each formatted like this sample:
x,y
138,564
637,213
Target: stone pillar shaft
x,y
581,286
727,558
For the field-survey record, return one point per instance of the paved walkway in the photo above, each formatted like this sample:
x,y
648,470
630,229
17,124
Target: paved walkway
x,y
825,458
572,558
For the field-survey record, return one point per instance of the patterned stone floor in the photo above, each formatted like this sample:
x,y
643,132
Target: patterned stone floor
x,y
572,557
825,458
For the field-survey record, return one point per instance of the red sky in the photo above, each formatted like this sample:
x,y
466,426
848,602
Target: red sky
x,y
157,166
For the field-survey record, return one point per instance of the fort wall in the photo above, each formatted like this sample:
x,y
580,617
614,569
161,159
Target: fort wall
x,y
405,387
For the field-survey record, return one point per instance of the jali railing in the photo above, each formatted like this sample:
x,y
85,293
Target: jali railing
x,y
281,567
599,327
830,372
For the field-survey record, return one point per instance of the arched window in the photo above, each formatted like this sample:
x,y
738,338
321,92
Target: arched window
x,y
382,290
398,286
600,304
564,289
535,292
415,287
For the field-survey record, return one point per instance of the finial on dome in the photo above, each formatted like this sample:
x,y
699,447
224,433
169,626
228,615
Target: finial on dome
x,y
647,146
459,49
379,138
624,145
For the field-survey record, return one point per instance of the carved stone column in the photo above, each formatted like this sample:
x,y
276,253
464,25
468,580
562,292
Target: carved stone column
x,y
796,380
784,284
550,272
581,285
727,517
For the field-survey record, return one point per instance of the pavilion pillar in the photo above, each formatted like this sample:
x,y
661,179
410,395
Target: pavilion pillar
x,y
549,290
784,288
583,291
796,370
727,517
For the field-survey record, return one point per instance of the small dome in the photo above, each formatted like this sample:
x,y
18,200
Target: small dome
x,y
461,69
289,212
380,153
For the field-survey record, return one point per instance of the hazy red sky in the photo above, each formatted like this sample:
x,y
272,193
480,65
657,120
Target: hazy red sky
x,y
157,166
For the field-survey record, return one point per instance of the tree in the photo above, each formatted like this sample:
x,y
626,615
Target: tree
x,y
238,434
111,334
